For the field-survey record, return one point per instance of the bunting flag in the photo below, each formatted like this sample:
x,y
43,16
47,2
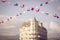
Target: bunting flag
x,y
17,15
28,9
32,9
41,4
3,1
2,22
16,4
20,13
22,6
7,19
38,10
46,2
47,13
10,17
56,16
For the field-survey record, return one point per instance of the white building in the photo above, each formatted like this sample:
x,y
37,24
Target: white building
x,y
33,30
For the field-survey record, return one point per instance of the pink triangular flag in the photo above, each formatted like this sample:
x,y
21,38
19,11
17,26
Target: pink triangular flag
x,y
22,6
38,10
46,2
2,21
10,17
3,1
32,9
20,13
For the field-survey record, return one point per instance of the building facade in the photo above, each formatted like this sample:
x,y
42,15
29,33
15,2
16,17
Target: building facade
x,y
32,30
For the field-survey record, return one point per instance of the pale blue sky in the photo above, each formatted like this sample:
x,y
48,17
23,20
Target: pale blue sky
x,y
53,7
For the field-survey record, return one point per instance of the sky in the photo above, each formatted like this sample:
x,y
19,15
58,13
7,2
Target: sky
x,y
14,12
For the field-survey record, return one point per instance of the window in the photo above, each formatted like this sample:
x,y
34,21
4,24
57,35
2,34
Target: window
x,y
21,39
39,36
33,23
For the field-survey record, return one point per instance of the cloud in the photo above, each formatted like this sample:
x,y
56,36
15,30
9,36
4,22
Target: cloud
x,y
12,22
54,32
10,28
58,8
53,29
